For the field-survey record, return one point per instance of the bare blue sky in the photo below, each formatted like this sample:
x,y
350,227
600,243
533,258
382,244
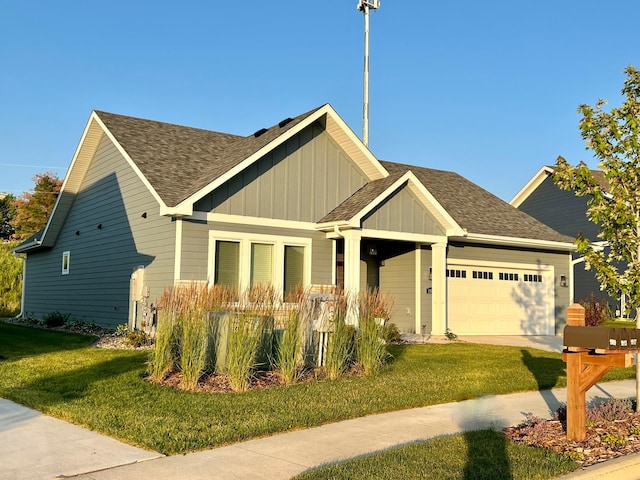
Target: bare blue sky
x,y
487,89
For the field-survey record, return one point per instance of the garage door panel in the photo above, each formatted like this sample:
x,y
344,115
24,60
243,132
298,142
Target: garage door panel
x,y
500,301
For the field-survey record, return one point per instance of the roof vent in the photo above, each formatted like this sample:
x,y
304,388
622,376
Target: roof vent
x,y
260,132
285,122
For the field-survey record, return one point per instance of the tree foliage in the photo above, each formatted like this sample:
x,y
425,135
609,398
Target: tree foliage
x,y
32,209
613,136
10,280
7,212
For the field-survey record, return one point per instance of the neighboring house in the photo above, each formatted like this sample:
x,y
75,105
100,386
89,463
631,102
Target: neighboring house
x,y
148,204
565,212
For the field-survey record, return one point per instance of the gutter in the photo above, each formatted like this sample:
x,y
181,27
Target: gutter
x,y
516,242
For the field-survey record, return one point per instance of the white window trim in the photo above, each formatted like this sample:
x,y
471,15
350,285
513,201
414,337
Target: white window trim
x,y
245,240
66,260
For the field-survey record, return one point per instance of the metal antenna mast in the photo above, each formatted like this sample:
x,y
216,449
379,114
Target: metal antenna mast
x,y
364,6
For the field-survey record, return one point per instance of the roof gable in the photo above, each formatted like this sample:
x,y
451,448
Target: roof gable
x,y
476,210
542,174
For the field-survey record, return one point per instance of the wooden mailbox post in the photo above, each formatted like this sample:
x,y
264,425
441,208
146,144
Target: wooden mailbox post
x,y
588,361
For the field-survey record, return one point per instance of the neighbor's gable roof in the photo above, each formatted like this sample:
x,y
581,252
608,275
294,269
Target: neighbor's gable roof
x,y
545,172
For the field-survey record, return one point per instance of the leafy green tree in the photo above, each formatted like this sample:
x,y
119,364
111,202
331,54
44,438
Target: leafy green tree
x,y
10,280
7,212
613,136
32,209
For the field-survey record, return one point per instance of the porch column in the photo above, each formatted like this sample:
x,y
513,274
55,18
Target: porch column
x,y
420,291
439,285
352,239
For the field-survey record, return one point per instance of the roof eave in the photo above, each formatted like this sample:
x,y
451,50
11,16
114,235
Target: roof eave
x,y
514,242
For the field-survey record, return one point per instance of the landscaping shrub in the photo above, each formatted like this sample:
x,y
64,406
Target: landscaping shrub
x,y
10,280
55,319
596,311
391,333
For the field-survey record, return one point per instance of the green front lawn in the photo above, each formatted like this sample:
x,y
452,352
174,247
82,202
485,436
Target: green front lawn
x,y
479,455
61,375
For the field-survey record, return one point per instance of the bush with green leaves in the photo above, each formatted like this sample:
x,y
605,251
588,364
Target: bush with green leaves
x,y
10,280
55,319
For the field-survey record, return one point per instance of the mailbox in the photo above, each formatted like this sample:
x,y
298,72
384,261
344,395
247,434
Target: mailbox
x,y
602,338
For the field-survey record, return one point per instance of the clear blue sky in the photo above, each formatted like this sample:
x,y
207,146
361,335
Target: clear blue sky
x,y
486,89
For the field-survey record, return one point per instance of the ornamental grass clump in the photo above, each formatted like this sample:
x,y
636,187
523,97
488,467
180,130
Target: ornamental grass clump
x,y
371,349
250,336
340,346
288,349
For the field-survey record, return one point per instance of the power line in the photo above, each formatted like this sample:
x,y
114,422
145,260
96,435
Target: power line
x,y
28,166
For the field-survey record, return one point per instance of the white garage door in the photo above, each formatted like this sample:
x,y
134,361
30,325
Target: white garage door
x,y
495,300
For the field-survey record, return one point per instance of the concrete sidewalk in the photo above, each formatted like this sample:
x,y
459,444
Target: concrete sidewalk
x,y
43,448
35,446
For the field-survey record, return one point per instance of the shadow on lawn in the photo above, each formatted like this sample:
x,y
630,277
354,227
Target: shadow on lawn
x,y
487,456
67,385
546,371
18,341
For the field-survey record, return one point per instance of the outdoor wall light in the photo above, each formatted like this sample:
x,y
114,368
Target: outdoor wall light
x,y
99,226
373,251
78,232
430,273
144,215
563,281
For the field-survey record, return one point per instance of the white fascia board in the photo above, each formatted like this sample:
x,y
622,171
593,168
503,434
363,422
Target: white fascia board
x,y
71,184
246,220
514,242
26,247
403,236
353,146
186,206
531,186
131,163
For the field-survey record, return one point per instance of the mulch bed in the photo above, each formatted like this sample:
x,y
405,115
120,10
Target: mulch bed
x,y
606,439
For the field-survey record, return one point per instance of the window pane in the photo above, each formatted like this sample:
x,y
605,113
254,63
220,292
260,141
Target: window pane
x,y
227,263
261,264
293,267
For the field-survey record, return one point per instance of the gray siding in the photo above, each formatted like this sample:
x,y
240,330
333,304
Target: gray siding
x,y
403,212
566,212
302,179
397,278
195,245
560,262
102,259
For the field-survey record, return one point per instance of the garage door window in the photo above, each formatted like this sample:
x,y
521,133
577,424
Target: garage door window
x,y
456,273
480,275
532,278
511,277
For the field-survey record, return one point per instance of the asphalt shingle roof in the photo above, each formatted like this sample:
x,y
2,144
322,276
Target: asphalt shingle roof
x,y
178,161
475,209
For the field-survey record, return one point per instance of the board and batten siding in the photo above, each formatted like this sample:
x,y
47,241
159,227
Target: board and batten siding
x,y
195,247
397,278
516,257
302,180
402,212
107,238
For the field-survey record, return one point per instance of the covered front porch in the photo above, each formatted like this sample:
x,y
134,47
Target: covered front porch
x,y
411,270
